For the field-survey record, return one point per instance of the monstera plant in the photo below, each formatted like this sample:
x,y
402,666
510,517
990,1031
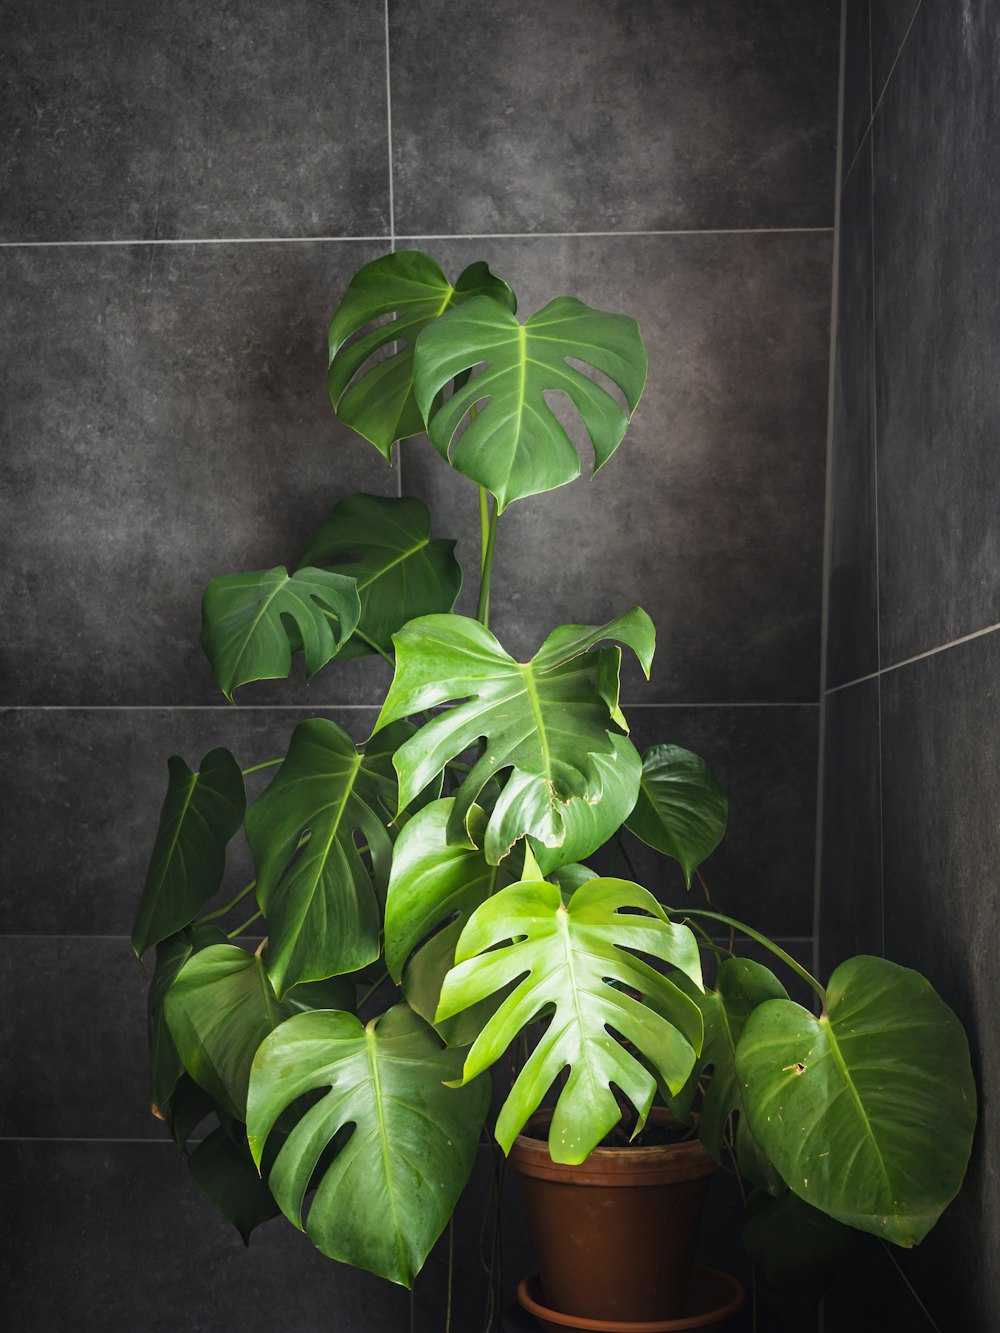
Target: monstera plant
x,y
422,896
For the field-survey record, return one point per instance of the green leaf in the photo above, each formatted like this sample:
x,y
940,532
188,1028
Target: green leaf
x,y
165,1065
321,906
330,993
201,812
570,877
547,719
219,1009
867,1111
188,1109
433,890
379,402
798,1248
243,632
390,1190
515,444
681,811
226,1174
400,571
574,960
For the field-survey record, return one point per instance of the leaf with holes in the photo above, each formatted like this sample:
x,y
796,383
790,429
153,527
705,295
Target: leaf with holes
x,y
400,571
407,1142
379,402
681,810
243,631
850,1106
576,963
546,719
514,445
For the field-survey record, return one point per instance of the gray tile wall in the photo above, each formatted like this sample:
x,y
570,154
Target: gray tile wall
x,y
185,192
911,838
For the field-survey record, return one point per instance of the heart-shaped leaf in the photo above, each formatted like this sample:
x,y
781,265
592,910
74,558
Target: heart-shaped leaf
x,y
546,719
515,445
379,402
410,1142
575,962
400,571
165,1065
681,810
867,1111
201,813
318,896
225,1172
219,1009
243,633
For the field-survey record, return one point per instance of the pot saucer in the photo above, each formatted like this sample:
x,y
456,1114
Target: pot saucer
x,y
712,1298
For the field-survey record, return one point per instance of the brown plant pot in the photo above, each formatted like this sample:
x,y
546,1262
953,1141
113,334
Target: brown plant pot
x,y
615,1236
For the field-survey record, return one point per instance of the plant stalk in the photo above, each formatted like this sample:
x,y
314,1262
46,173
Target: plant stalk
x,y
749,931
483,609
240,929
221,911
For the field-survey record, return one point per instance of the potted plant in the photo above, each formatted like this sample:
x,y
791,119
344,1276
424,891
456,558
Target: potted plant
x,y
446,853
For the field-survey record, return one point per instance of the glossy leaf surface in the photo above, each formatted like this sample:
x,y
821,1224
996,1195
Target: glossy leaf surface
x,y
573,962
400,570
243,632
410,1141
546,719
681,809
515,445
319,898
201,813
165,1064
868,1111
378,402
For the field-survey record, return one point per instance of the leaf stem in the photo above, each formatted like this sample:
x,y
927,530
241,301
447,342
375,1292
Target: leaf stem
x,y
268,763
749,931
483,609
484,526
371,990
221,911
240,929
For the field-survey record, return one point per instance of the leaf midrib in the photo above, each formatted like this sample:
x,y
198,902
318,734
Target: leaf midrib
x,y
841,1063
383,1132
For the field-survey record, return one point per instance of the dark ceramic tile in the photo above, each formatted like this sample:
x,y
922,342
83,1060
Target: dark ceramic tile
x,y
890,24
710,513
80,795
871,1295
857,81
852,634
116,1237
941,775
181,120
937,332
590,115
165,420
851,886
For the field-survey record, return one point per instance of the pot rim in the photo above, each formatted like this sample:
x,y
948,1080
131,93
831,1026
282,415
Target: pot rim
x,y
655,1164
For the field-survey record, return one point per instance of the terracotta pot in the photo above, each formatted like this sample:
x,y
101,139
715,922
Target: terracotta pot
x,y
615,1236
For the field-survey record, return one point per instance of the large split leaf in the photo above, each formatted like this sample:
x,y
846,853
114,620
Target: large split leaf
x,y
546,719
410,1141
165,1064
379,402
319,898
574,962
219,1009
681,810
400,571
867,1111
201,812
515,444
243,631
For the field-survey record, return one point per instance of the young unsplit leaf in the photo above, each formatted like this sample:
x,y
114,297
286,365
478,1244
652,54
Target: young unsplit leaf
x,y
401,572
201,813
515,445
681,809
410,1145
849,1106
243,633
165,1064
379,402
575,963
546,719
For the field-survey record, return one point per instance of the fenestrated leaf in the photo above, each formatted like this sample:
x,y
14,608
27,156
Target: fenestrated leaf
x,y
165,1065
219,1009
226,1174
379,402
850,1106
546,719
201,812
243,633
681,809
389,1191
320,901
433,890
574,960
798,1248
515,445
401,571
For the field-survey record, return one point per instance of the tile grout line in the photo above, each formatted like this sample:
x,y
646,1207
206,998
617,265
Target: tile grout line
x,y
917,657
873,367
